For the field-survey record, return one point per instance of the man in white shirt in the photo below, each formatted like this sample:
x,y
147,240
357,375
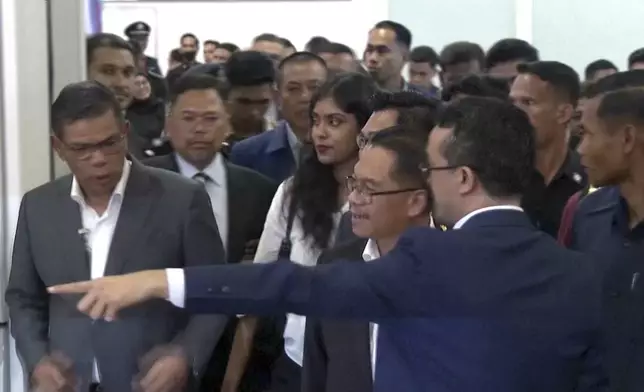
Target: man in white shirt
x,y
111,216
388,195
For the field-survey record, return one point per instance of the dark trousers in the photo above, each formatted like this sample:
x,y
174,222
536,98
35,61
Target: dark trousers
x,y
287,375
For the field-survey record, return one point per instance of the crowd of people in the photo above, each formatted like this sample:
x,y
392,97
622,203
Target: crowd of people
x,y
276,220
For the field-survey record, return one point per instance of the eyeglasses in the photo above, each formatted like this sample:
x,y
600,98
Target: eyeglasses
x,y
108,147
427,170
366,196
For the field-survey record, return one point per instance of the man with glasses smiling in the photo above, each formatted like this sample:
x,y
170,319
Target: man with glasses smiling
x,y
111,216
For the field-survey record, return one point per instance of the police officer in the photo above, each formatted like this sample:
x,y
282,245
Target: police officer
x,y
140,32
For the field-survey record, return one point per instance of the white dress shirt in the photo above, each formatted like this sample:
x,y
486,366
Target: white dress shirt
x,y
98,230
303,251
467,217
371,252
217,190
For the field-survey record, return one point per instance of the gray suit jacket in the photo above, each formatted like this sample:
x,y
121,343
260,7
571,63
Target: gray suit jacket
x,y
165,222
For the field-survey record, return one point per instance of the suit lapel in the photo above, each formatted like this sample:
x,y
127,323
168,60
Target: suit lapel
x,y
138,201
69,217
236,208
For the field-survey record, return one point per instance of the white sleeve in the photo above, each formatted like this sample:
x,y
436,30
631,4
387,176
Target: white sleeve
x,y
274,231
176,286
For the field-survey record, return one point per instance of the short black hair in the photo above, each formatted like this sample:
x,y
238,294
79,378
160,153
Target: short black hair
x,y
228,46
286,43
211,42
560,76
106,40
461,52
336,48
409,151
403,35
82,101
298,57
195,81
415,111
249,68
316,43
495,139
637,56
424,54
625,105
268,37
616,81
510,49
190,35
477,86
596,66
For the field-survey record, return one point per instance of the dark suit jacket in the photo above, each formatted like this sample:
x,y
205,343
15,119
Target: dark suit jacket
x,y
165,222
496,306
268,153
345,230
337,354
249,197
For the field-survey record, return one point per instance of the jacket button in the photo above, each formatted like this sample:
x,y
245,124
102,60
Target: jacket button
x,y
225,289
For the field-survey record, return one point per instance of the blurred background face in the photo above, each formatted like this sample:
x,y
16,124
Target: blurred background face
x,y
507,70
197,125
142,40
540,102
189,45
116,70
379,216
601,148
298,83
209,53
383,56
95,151
220,56
274,50
340,62
454,72
247,105
421,74
142,88
443,182
333,133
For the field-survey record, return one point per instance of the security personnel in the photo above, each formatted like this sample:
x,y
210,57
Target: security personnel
x,y
140,32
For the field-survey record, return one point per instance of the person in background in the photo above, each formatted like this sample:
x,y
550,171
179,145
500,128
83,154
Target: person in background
x,y
599,69
414,112
636,59
251,79
223,52
460,59
305,212
386,54
548,91
111,62
339,57
387,195
423,68
175,59
146,113
139,32
275,154
502,58
608,223
289,48
269,44
209,47
189,46
476,86
315,44
157,82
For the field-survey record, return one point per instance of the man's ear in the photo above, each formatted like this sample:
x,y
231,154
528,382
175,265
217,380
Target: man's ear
x,y
57,145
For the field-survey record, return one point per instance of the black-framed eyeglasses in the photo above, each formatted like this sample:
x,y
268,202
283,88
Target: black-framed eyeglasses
x,y
427,170
108,146
366,195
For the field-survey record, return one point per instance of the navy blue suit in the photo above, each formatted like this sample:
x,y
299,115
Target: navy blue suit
x,y
268,153
601,230
496,306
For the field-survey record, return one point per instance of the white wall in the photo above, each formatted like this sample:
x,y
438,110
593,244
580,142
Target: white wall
x,y
239,22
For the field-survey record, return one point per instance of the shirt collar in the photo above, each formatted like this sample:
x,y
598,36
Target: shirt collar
x,y
370,251
467,217
293,141
215,170
119,190
572,168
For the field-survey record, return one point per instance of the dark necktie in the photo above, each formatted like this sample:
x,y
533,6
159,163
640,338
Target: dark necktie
x,y
202,178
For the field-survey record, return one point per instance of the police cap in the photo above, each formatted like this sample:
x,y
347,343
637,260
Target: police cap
x,y
137,29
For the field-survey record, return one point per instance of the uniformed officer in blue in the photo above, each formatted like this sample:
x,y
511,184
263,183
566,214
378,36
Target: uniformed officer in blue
x,y
140,33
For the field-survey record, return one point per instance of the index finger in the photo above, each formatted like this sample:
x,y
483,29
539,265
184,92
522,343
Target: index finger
x,y
71,288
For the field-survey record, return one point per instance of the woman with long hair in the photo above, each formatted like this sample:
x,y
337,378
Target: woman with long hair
x,y
305,213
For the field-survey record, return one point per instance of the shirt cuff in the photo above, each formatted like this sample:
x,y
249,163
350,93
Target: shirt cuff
x,y
176,287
